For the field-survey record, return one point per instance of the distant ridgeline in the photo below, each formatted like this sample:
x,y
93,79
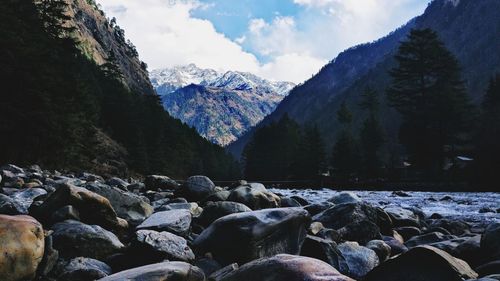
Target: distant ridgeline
x,y
381,113
76,96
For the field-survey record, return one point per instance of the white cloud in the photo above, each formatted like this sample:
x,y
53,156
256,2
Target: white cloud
x,y
167,35
292,67
327,27
284,48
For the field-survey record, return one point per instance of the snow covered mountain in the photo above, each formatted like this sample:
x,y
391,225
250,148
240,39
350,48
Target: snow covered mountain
x,y
220,106
169,80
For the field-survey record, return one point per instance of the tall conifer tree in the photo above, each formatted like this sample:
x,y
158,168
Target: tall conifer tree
x,y
428,91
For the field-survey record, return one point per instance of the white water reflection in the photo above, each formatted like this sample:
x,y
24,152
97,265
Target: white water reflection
x,y
464,206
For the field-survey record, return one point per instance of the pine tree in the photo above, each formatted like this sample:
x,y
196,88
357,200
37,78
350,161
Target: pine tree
x,y
371,135
310,155
488,137
428,92
345,155
110,68
271,153
53,15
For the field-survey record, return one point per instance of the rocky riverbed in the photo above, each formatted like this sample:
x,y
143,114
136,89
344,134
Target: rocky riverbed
x,y
62,226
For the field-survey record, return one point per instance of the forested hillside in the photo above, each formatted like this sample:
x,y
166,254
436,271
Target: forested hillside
x,y
61,109
468,28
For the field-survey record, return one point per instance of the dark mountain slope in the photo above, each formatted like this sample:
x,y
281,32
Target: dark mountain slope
x,y
469,28
219,115
60,109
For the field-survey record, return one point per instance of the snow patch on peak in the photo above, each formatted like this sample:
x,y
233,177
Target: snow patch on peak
x,y
169,80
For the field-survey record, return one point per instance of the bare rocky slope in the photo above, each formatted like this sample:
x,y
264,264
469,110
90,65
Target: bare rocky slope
x,y
100,39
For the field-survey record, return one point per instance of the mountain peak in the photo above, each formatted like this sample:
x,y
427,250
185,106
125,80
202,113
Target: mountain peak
x,y
220,105
168,80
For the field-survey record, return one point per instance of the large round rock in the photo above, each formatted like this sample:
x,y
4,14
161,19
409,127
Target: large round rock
x,y
22,246
197,188
158,246
341,215
128,206
402,217
81,269
490,241
243,237
255,196
286,268
93,208
422,263
175,221
75,239
360,260
215,210
165,271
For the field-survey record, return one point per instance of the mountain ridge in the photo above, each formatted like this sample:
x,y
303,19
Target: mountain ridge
x,y
466,27
221,106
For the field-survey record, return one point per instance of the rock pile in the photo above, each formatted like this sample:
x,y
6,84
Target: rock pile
x,y
83,227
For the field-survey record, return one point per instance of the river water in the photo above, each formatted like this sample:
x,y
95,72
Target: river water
x,y
463,206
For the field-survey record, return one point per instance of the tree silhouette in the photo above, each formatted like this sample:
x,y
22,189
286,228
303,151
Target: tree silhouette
x,y
428,91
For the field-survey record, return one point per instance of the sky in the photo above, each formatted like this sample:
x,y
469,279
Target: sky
x,y
286,40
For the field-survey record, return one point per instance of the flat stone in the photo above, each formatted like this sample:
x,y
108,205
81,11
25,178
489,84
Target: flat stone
x,y
163,245
174,221
165,271
75,239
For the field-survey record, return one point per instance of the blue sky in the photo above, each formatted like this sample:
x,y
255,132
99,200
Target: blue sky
x,y
277,39
232,17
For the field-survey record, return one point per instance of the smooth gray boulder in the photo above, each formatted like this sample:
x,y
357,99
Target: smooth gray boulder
x,y
402,217
381,248
289,202
215,210
217,196
76,239
255,196
93,208
345,197
81,269
422,263
128,206
360,231
286,268
18,202
196,188
9,206
162,245
490,241
360,260
243,237
174,221
165,271
426,239
455,226
194,208
325,250
341,215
